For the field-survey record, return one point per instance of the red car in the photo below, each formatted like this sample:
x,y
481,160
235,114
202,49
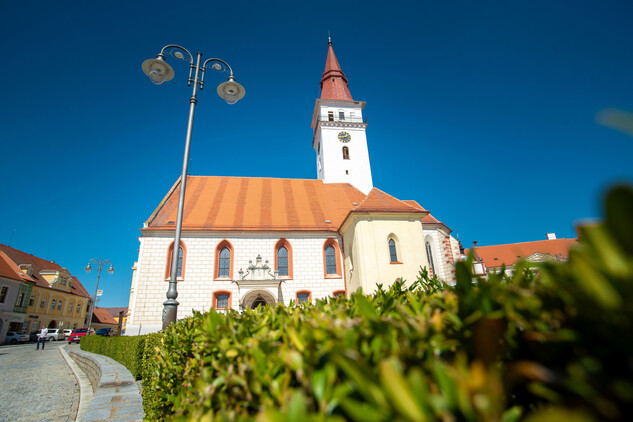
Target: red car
x,y
77,334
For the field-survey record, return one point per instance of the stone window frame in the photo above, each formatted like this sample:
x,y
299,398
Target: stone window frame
x,y
337,256
170,252
216,270
286,244
219,293
303,292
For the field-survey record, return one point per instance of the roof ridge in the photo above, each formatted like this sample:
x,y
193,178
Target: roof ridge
x,y
529,241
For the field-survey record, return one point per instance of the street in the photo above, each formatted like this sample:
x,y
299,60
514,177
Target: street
x,y
37,385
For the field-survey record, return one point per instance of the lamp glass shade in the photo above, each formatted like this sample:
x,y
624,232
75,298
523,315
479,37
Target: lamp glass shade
x,y
88,268
231,91
111,269
158,70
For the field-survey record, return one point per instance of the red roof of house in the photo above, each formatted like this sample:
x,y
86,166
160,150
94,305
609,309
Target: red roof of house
x,y
509,254
252,203
8,269
18,257
334,82
102,316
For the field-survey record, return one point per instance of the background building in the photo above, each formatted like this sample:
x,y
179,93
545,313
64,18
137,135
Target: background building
x,y
56,300
490,259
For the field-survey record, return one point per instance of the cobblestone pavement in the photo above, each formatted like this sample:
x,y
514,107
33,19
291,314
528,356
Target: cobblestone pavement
x,y
36,385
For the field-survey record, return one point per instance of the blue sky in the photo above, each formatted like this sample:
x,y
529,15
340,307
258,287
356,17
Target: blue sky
x,y
483,112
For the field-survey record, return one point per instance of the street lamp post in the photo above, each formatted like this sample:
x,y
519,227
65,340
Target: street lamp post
x,y
100,263
159,71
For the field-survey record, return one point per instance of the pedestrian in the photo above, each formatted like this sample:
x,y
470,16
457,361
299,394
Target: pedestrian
x,y
42,337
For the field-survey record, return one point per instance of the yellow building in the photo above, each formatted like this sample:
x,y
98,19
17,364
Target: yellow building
x,y
57,300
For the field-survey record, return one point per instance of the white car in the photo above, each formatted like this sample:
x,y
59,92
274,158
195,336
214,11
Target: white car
x,y
67,333
13,337
55,334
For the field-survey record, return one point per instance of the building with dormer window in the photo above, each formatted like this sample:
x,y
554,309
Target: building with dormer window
x,y
56,300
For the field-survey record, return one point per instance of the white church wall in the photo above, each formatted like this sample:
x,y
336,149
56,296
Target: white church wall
x,y
445,250
196,291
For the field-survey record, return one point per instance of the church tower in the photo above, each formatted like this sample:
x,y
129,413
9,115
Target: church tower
x,y
339,139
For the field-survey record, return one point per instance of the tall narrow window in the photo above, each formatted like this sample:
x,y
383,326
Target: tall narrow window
x,y
330,116
60,305
20,301
53,303
3,294
43,303
224,260
78,307
345,153
180,263
331,259
392,251
429,255
283,259
31,300
341,115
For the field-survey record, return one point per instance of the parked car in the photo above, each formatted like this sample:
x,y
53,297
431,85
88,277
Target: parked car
x,y
105,332
67,333
14,338
77,334
55,334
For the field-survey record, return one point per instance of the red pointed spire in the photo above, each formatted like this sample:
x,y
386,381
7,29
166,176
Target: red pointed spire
x,y
334,82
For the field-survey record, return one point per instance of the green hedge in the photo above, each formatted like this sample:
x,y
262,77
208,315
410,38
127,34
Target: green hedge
x,y
126,350
544,345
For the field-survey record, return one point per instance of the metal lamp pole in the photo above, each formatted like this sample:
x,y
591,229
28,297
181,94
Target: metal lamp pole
x,y
100,263
159,71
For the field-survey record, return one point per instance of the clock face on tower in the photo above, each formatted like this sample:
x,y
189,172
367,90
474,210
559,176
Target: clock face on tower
x,y
344,137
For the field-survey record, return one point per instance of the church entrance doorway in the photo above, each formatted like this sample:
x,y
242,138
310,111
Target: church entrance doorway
x,y
256,298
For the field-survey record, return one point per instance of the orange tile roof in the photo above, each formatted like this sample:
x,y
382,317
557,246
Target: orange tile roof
x,y
414,204
9,270
222,203
253,203
379,201
509,254
102,316
18,257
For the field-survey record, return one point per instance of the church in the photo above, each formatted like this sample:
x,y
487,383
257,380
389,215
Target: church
x,y
250,241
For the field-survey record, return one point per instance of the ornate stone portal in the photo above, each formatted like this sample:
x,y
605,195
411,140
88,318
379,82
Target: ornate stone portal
x,y
258,286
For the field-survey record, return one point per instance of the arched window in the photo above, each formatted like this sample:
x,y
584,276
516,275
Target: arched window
x,y
331,259
345,153
304,296
392,251
222,300
283,258
429,255
338,293
224,260
180,264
